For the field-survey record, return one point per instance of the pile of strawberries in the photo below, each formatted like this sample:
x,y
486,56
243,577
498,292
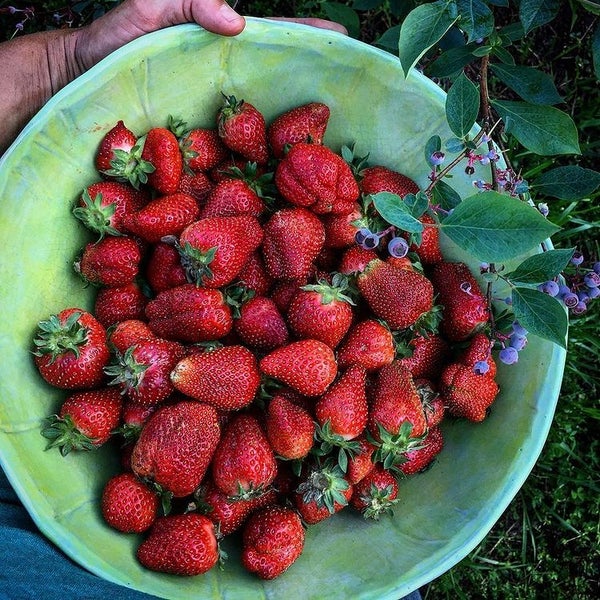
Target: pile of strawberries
x,y
263,354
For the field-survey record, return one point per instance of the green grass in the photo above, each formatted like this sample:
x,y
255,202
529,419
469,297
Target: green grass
x,y
545,545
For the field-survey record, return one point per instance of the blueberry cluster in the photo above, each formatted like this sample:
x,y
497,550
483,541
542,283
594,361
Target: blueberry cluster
x,y
514,343
397,246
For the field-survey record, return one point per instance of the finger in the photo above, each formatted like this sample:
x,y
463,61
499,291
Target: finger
x,y
314,22
217,16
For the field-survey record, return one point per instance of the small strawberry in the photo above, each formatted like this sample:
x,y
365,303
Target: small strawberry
x,y
426,355
119,303
254,276
360,463
180,544
293,238
196,185
379,178
226,377
127,333
242,128
420,458
284,290
189,314
163,268
161,150
465,307
273,539
128,504
355,259
118,138
369,343
376,493
71,349
315,177
290,428
85,421
428,250
243,465
163,216
260,324
321,311
307,366
340,230
110,261
133,418
203,149
433,403
398,296
306,123
103,205
142,371
176,446
232,197
478,354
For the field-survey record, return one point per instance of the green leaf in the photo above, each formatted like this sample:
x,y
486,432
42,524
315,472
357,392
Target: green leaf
x,y
532,85
421,30
541,267
462,106
389,39
544,130
451,62
340,13
596,51
540,314
434,144
503,54
494,228
444,195
396,212
567,183
476,19
535,13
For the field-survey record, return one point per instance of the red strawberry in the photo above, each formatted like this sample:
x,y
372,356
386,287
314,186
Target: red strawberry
x,y
127,333
307,366
128,504
117,138
293,238
213,251
226,377
479,351
180,544
398,296
243,465
383,179
428,250
369,344
161,150
360,463
103,205
203,149
254,276
465,308
110,261
290,428
232,197
433,403
340,230
133,418
273,539
242,128
120,303
306,123
420,458
260,324
71,349
189,314
176,446
196,185
316,177
163,268
142,371
283,292
163,216
427,355
376,493
85,421
355,260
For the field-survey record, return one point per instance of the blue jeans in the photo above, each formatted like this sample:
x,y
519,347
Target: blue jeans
x,y
32,568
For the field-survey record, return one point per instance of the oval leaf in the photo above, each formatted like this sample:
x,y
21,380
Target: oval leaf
x,y
544,130
567,183
495,228
451,62
445,195
535,13
423,28
540,314
476,19
531,84
340,13
396,212
541,267
462,105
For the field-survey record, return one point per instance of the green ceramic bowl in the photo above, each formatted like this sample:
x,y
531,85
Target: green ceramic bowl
x,y
444,513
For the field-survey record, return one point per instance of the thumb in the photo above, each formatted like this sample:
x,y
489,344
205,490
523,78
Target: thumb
x,y
217,16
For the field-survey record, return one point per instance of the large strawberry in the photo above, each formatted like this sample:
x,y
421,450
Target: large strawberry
x,y
369,343
226,377
340,230
181,545
260,324
243,465
315,177
161,150
120,303
305,123
163,268
425,355
307,366
85,420
380,178
293,238
232,197
273,539
189,313
203,149
465,307
242,128
420,458
128,504
71,349
128,333
176,446
399,296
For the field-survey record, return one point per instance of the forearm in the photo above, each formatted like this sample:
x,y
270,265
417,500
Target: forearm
x,y
34,68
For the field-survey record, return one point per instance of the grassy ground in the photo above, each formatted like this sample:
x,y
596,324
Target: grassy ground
x,y
545,546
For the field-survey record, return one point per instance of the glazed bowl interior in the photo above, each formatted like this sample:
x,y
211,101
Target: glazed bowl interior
x,y
443,513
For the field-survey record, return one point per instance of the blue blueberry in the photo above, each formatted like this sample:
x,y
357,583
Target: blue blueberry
x,y
481,367
398,247
518,342
549,287
508,355
577,258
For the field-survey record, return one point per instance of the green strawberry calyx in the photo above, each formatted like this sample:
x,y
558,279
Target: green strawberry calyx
x,y
56,338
